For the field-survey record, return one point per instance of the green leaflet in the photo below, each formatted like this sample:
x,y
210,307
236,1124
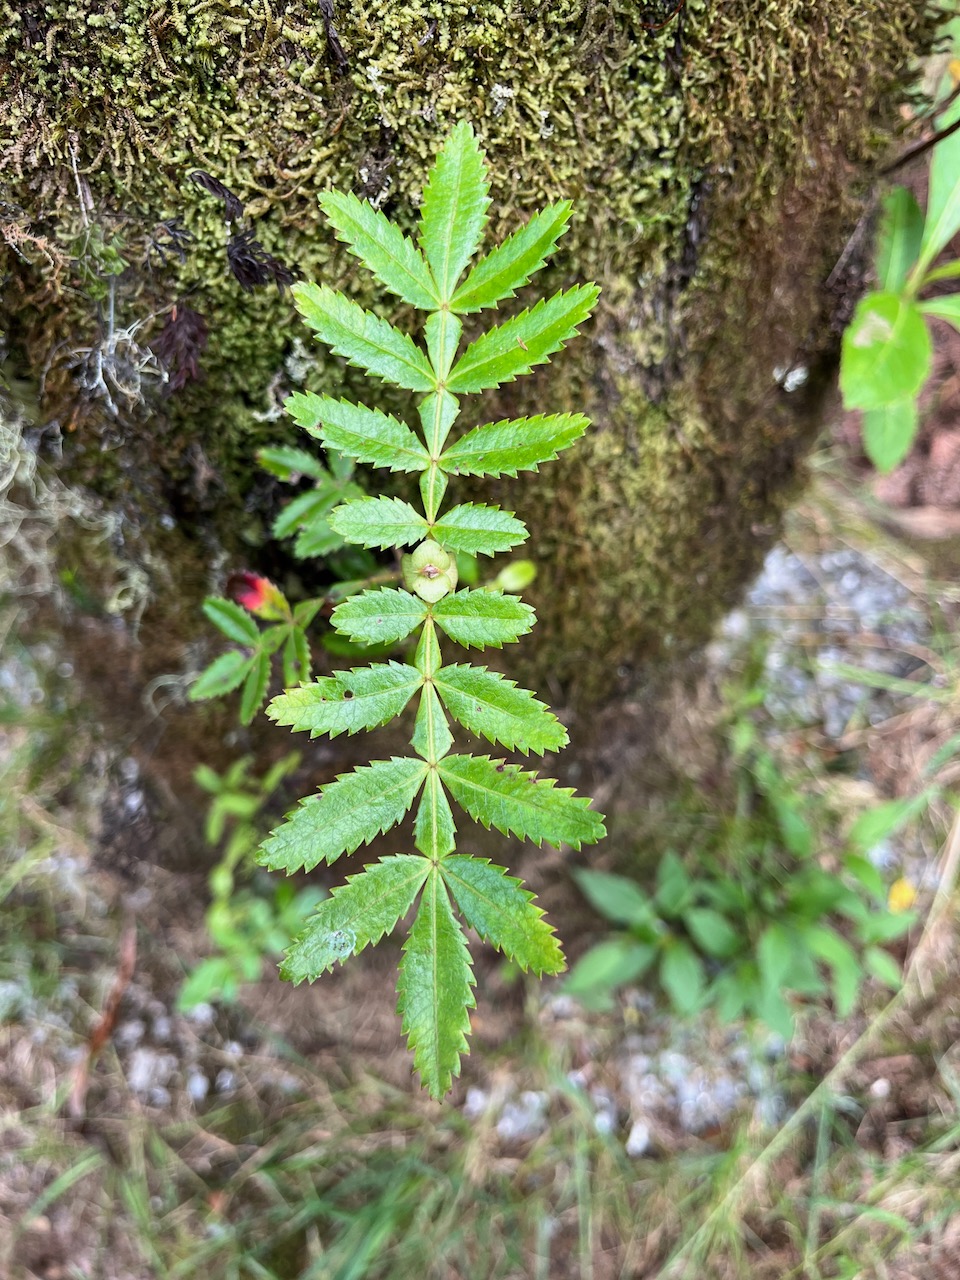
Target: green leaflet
x,y
255,687
435,990
512,263
477,619
287,463
898,240
432,738
367,435
518,444
363,339
380,617
454,208
513,348
886,352
494,708
348,701
478,529
379,522
355,915
382,247
434,832
501,795
235,623
346,814
502,912
223,674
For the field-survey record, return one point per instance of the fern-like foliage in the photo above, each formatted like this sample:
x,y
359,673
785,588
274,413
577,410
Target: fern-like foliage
x,y
436,980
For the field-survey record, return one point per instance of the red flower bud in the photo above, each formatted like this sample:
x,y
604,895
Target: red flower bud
x,y
259,595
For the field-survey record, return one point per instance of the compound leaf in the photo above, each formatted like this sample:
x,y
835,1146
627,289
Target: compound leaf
x,y
479,529
356,915
513,348
347,813
512,263
517,444
493,707
434,990
223,674
434,832
379,522
503,913
348,701
363,339
235,623
476,619
501,795
385,616
365,434
454,208
380,245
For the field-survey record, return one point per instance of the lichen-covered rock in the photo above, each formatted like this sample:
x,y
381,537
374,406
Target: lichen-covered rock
x,y
715,167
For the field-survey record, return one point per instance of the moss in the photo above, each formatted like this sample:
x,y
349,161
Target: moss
x,y
714,191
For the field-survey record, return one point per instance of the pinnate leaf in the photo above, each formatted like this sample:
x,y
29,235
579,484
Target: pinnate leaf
x,y
435,990
502,795
513,348
225,673
380,617
348,701
235,623
355,915
379,522
477,619
364,339
493,707
365,434
478,529
503,913
347,813
454,208
517,444
382,247
512,263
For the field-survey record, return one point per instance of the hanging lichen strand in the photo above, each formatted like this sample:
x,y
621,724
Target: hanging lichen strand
x,y
435,975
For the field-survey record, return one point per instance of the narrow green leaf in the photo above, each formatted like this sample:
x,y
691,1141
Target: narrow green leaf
x,y
235,623
224,673
842,959
434,990
775,952
476,619
682,976
517,444
479,529
946,308
712,932
382,247
367,435
434,832
432,738
442,332
290,464
607,966
379,522
889,433
513,348
883,967
512,263
363,339
348,701
503,913
943,196
454,208
356,915
385,616
886,819
316,539
501,795
306,508
886,354
619,899
255,688
494,708
898,240
347,813
438,413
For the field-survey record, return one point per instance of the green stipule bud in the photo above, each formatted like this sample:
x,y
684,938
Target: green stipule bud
x,y
430,572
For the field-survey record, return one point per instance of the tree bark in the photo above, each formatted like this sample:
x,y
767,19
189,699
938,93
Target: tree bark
x,y
717,168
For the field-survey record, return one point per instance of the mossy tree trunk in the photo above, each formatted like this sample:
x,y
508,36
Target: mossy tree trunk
x,y
716,178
